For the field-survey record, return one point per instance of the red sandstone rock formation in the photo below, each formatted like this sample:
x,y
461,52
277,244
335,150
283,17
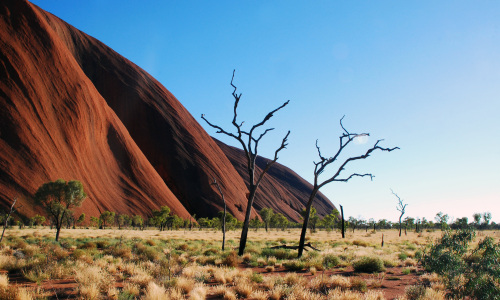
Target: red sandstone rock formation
x,y
72,108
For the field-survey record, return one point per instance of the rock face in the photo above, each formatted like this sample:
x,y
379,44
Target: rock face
x,y
72,108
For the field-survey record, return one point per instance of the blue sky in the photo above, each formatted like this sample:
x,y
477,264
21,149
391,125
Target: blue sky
x,y
423,75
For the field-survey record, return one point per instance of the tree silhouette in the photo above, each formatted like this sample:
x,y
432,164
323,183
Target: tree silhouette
x,y
250,143
401,208
345,139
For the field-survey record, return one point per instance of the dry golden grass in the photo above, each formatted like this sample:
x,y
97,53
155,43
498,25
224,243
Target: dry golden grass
x,y
193,258
390,236
155,292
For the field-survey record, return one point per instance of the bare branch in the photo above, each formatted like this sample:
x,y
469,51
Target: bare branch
x,y
214,182
219,129
268,116
270,163
341,125
250,148
401,207
342,166
264,133
344,140
353,175
319,152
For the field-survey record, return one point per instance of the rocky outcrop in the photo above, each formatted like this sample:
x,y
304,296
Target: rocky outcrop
x,y
72,108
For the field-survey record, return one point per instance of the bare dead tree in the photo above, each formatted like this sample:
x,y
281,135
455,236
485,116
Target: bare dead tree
x,y
250,145
214,182
401,208
343,226
345,139
7,216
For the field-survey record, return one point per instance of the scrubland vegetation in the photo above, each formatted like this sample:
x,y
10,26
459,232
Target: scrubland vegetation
x,y
189,264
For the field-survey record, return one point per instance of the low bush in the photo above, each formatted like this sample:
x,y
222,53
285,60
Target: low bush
x,y
330,261
360,243
256,277
294,265
474,273
278,253
368,265
415,292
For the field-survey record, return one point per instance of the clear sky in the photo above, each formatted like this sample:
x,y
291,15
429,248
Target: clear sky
x,y
423,75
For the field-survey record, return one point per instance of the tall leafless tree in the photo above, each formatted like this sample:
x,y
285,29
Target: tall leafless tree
x,y
401,208
7,216
345,139
250,143
214,182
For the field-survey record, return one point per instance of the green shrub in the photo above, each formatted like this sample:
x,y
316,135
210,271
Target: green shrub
x,y
102,244
415,292
210,251
257,278
330,261
278,253
368,265
474,274
78,253
294,265
402,256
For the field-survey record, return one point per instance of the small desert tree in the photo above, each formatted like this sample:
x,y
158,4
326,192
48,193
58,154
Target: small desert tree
x,y
38,220
137,221
330,220
107,218
313,218
477,219
123,220
486,219
442,220
81,219
345,139
58,198
161,217
401,208
250,143
266,214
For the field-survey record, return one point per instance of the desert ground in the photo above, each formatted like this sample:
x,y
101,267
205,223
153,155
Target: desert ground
x,y
189,264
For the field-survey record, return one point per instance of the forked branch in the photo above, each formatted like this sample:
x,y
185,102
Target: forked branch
x,y
319,167
250,145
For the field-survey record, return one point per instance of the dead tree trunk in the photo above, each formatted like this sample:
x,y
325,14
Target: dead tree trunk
x,y
224,215
345,139
343,225
401,208
250,145
7,216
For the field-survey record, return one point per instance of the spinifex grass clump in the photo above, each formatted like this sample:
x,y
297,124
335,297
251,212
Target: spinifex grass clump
x,y
368,265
